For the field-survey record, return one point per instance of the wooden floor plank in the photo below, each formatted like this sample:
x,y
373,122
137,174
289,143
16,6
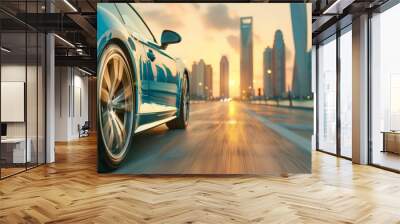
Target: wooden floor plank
x,y
71,191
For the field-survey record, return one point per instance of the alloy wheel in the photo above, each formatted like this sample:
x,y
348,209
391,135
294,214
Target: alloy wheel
x,y
116,105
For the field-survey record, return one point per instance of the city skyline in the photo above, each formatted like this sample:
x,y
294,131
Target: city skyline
x,y
302,61
208,82
279,78
201,85
267,72
246,57
224,77
218,33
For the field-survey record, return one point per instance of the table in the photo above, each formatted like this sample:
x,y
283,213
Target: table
x,y
15,148
391,141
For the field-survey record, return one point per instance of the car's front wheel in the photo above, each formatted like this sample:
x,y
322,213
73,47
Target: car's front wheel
x,y
182,120
115,105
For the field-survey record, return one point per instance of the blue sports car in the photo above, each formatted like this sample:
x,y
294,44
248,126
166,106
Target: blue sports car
x,y
140,86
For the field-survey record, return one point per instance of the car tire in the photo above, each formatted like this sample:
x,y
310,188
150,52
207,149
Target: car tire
x,y
181,122
116,107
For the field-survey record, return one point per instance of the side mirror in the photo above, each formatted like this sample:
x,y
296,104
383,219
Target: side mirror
x,y
169,37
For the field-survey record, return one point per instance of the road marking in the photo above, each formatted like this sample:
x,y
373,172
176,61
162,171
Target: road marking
x,y
296,139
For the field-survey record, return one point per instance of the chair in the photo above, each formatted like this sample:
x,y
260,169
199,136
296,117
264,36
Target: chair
x,y
84,130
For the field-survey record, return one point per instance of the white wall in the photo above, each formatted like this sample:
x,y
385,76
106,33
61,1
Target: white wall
x,y
13,73
62,82
70,83
80,83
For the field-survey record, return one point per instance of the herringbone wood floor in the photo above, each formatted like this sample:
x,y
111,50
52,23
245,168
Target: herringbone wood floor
x,y
71,191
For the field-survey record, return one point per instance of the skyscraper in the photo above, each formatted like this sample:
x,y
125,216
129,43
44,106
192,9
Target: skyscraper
x,y
208,82
246,57
301,87
201,68
279,66
267,72
193,80
224,77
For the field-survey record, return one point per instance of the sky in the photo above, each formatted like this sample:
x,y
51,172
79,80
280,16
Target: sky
x,y
211,30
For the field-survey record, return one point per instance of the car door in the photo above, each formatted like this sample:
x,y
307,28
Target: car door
x,y
157,69
133,25
163,87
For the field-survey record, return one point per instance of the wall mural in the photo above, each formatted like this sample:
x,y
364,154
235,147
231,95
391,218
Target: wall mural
x,y
213,89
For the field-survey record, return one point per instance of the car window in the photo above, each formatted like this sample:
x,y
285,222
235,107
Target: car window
x,y
111,8
132,19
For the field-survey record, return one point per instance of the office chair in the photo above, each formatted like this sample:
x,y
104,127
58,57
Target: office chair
x,y
84,130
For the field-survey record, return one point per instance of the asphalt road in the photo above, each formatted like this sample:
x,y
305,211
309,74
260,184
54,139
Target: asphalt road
x,y
227,138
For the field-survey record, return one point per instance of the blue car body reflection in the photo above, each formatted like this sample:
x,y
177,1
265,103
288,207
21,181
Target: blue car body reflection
x,y
158,78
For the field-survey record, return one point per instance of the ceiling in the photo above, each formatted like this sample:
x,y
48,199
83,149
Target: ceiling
x,y
74,21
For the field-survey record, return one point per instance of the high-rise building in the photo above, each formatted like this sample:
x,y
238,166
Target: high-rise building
x,y
246,57
301,87
279,66
193,80
208,82
201,68
224,77
267,72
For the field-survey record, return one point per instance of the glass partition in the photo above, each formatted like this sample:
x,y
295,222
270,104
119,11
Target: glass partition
x,y
346,92
327,96
22,78
385,89
14,153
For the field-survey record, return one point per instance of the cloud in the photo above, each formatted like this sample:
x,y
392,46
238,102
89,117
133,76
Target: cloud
x,y
164,18
257,37
218,17
196,6
233,41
